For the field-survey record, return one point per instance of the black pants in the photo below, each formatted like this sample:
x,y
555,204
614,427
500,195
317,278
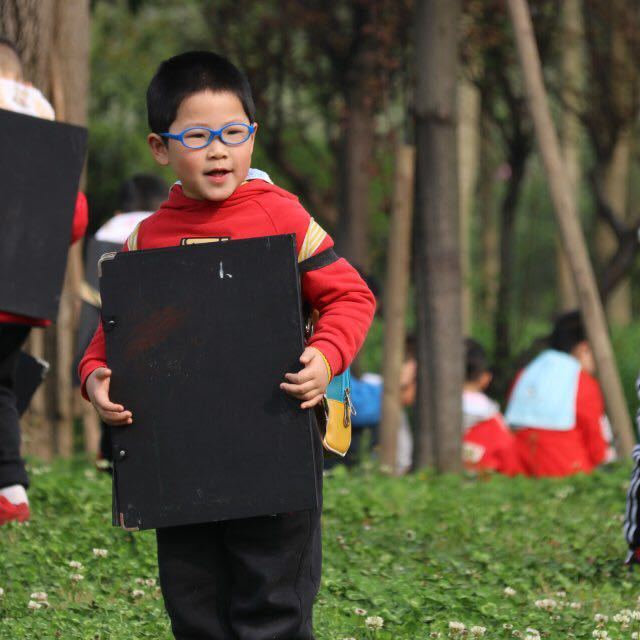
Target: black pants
x,y
250,579
12,470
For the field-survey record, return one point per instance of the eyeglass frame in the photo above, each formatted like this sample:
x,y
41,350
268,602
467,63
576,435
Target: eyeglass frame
x,y
213,134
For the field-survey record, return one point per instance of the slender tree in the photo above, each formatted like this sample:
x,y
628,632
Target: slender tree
x,y
440,355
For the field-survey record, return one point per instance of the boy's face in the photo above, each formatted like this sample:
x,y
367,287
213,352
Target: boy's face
x,y
216,171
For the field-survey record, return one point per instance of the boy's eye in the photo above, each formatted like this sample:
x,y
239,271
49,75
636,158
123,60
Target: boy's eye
x,y
197,134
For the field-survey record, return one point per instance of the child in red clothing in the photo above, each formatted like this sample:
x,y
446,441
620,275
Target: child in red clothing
x,y
255,578
556,407
16,95
487,444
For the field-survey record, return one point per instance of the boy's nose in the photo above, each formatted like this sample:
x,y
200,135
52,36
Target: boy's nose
x,y
217,149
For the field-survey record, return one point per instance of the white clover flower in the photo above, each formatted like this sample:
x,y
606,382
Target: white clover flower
x,y
77,577
374,622
456,626
600,618
507,626
435,634
360,612
600,633
530,636
533,632
74,564
575,605
561,594
635,635
1,592
477,631
40,596
150,582
509,592
100,553
622,618
547,604
34,605
410,535
137,593
635,615
139,580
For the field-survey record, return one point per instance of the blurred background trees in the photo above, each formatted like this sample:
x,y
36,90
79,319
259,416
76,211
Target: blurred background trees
x,y
334,84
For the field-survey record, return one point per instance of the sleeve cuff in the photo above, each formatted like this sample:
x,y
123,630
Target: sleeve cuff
x,y
87,369
332,356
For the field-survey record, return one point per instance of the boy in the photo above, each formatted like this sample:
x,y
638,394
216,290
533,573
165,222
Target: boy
x,y
17,96
557,409
487,444
256,578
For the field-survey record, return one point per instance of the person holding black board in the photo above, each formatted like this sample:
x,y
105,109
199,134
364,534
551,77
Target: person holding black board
x,y
19,97
254,578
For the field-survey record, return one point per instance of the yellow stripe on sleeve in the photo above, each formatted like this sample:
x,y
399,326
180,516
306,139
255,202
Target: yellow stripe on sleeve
x,y
312,240
132,240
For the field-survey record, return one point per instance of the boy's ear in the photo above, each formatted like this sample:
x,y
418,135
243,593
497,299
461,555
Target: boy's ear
x,y
158,148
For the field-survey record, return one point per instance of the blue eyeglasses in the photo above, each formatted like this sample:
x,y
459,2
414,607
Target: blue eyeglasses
x,y
231,134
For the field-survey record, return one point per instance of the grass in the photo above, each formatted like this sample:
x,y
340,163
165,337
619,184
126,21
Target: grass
x,y
420,552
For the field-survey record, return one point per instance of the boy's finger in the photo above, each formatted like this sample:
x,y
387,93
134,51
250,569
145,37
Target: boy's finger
x,y
291,389
116,418
301,377
102,401
312,403
305,387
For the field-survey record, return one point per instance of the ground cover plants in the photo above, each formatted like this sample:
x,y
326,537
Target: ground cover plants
x,y
417,557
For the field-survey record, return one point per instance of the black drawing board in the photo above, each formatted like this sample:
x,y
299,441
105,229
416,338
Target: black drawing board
x,y
40,165
198,339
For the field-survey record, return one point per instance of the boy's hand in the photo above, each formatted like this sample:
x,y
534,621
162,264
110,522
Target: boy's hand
x,y
310,383
98,391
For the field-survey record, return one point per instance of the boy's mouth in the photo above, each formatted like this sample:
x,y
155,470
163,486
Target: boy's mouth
x,y
217,175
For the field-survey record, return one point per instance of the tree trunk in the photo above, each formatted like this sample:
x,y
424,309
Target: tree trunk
x,y
354,177
440,363
569,226
487,214
70,90
615,174
502,322
468,155
572,72
614,169
395,302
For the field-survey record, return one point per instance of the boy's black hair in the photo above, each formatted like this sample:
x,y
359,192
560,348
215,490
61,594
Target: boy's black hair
x,y
187,73
142,192
568,332
476,362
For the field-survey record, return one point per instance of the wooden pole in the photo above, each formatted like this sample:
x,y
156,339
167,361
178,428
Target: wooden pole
x,y
395,302
569,225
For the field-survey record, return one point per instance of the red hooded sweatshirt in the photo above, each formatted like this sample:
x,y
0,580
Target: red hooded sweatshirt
x,y
80,219
258,208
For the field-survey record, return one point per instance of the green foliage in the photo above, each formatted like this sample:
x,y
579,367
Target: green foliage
x,y
418,551
126,49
